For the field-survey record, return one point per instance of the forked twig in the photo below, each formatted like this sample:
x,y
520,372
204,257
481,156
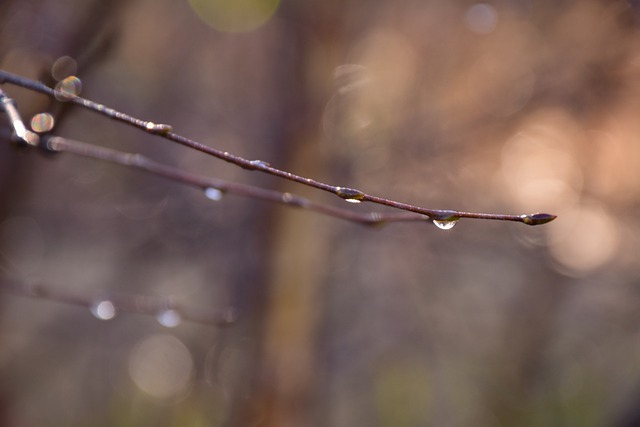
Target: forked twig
x,y
439,216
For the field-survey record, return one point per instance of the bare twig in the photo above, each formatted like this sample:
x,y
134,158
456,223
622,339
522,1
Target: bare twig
x,y
137,161
123,303
58,144
347,193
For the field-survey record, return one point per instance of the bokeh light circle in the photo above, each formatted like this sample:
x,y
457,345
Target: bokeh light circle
x,y
539,164
235,15
481,18
42,122
169,318
103,310
64,67
161,366
584,238
68,88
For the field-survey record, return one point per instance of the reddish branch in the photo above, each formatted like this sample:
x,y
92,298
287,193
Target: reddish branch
x,y
165,131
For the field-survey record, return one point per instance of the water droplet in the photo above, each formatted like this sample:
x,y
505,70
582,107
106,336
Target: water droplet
x,y
444,219
259,163
103,310
42,122
350,195
169,318
213,194
445,215
68,88
444,225
158,128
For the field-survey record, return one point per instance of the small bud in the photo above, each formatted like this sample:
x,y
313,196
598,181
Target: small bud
x,y
350,194
538,218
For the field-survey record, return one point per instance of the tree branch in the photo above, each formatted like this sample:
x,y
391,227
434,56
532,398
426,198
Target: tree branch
x,y
442,218
138,161
123,303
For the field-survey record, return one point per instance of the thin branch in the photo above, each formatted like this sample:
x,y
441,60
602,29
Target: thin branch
x,y
57,144
349,194
167,311
138,161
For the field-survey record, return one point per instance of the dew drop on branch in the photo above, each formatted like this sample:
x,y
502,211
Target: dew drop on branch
x,y
158,128
259,164
350,195
103,310
445,219
169,318
444,225
213,194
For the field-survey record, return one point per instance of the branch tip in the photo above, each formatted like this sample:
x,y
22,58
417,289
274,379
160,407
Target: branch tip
x,y
538,218
413,213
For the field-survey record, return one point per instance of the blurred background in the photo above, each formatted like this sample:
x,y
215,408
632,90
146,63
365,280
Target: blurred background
x,y
508,106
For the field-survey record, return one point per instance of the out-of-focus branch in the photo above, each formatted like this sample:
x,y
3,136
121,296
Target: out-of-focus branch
x,y
106,306
442,218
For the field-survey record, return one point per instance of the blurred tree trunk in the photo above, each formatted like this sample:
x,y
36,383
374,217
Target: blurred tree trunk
x,y
286,369
526,341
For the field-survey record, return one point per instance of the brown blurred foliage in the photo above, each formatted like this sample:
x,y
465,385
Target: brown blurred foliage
x,y
506,106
